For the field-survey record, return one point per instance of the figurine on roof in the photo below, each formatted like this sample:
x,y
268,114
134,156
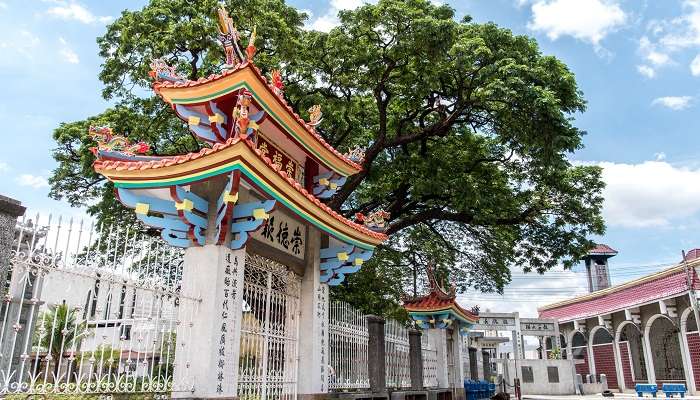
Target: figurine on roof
x,y
107,141
229,37
375,221
357,154
161,71
246,125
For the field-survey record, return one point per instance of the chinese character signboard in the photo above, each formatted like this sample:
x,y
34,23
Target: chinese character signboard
x,y
281,160
283,233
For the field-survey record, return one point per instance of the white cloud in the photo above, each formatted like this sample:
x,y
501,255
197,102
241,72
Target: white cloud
x,y
76,12
22,43
3,5
673,102
646,70
67,53
329,20
695,66
589,20
36,182
660,156
4,167
649,194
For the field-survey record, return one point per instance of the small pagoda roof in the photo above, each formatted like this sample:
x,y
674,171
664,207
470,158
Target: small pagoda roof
x,y
247,76
602,250
238,154
437,303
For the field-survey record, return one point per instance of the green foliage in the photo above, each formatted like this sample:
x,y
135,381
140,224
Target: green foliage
x,y
59,330
468,130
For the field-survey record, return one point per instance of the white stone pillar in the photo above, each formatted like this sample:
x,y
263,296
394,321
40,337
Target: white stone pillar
x,y
208,333
648,358
458,369
438,341
618,365
479,361
313,323
687,365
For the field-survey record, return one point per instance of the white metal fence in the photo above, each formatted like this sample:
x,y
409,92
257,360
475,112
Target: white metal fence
x,y
348,342
398,370
88,309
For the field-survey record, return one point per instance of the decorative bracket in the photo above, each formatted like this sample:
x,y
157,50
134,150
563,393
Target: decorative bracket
x,y
180,225
210,127
225,204
327,184
247,218
336,262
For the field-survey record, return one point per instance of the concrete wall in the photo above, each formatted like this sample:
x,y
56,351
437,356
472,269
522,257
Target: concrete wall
x,y
541,384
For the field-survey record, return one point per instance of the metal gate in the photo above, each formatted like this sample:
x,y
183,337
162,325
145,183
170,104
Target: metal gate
x,y
268,365
89,309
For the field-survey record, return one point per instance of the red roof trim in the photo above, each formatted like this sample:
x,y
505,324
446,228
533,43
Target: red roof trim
x,y
211,78
180,159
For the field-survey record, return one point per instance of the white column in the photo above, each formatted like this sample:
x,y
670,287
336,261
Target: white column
x,y
687,365
648,358
618,365
208,332
438,341
458,370
313,337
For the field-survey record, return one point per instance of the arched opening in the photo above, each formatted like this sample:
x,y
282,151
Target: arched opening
x,y
604,356
579,351
634,368
666,351
692,335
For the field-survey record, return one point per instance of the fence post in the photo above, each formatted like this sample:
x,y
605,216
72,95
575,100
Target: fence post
x,y
10,209
376,364
415,354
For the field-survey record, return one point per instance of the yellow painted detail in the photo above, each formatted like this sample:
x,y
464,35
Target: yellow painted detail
x,y
186,205
142,208
432,321
253,125
259,213
323,181
193,120
216,118
333,185
230,198
343,256
358,261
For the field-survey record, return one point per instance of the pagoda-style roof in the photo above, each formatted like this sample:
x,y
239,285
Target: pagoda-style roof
x,y
183,95
259,157
438,308
259,171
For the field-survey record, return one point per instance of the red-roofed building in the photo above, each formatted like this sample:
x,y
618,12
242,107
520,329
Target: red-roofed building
x,y
641,331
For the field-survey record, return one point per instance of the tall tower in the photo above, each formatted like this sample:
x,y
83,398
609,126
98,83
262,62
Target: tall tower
x,y
597,267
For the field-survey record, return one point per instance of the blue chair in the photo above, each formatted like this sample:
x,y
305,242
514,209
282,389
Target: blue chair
x,y
671,389
642,388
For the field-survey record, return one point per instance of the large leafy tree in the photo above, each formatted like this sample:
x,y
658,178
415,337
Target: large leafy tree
x,y
467,128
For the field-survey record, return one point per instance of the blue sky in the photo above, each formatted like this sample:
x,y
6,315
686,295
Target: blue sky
x,y
637,62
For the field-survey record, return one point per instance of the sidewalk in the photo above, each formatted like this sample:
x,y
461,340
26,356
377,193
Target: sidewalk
x,y
628,395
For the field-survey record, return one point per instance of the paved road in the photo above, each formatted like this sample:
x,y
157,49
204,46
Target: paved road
x,y
625,396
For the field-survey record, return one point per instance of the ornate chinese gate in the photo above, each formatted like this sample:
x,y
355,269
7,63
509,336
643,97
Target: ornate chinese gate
x,y
269,331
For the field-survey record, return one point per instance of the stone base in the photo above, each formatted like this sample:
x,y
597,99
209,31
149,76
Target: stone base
x,y
353,396
440,394
409,395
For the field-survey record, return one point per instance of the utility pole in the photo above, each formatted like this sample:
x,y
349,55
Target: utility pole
x,y
691,290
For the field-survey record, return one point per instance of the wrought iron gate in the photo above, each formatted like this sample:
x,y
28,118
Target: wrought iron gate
x,y
268,364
